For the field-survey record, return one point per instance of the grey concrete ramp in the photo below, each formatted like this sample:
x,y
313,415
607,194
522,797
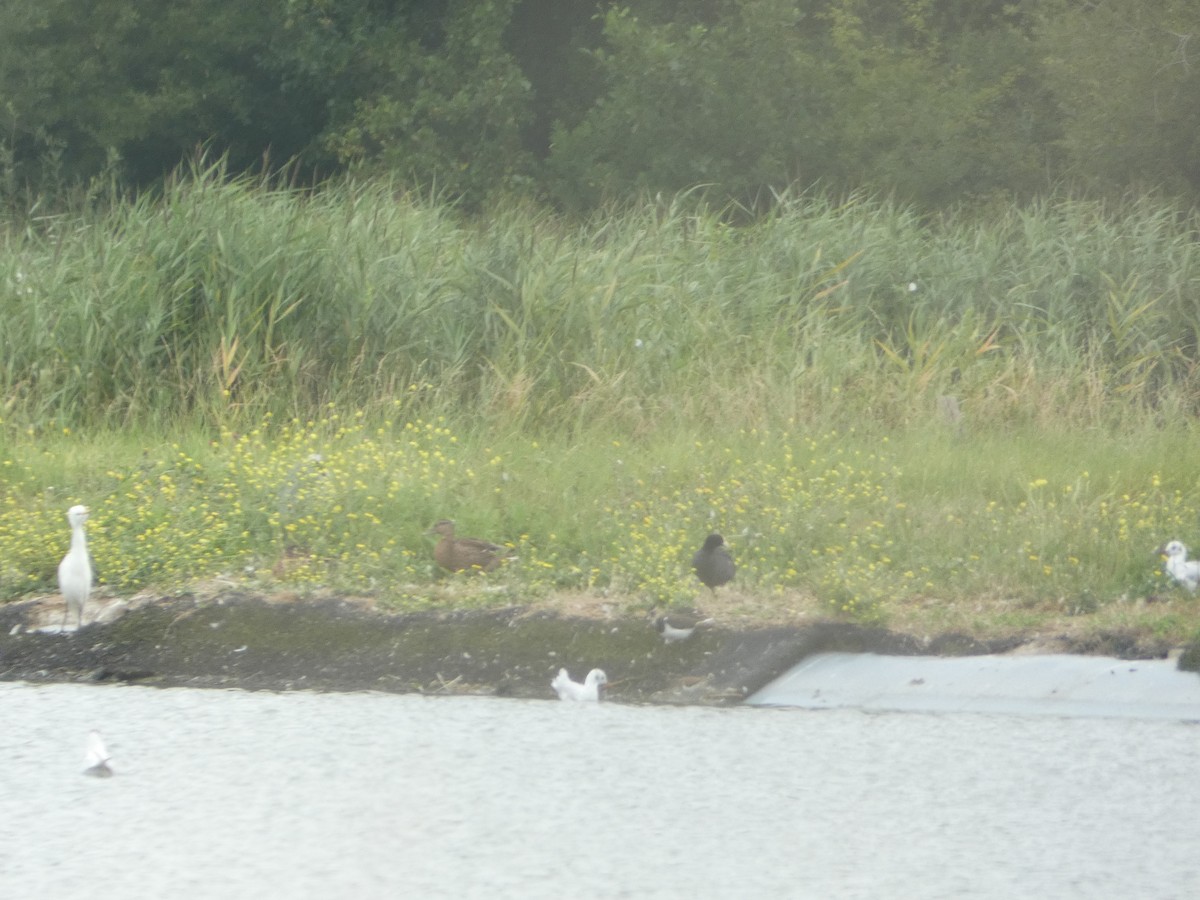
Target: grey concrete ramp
x,y
1057,685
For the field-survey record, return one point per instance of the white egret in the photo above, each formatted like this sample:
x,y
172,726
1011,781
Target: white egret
x,y
75,570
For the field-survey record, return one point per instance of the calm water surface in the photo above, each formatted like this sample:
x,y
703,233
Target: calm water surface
x,y
229,794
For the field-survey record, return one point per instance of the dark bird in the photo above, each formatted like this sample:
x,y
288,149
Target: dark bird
x,y
455,554
713,565
676,626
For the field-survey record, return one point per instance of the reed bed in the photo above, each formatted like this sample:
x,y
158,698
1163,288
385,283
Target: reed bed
x,y
221,299
975,422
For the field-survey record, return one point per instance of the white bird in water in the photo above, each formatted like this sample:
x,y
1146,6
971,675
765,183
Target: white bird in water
x,y
1185,571
677,626
96,757
573,690
75,570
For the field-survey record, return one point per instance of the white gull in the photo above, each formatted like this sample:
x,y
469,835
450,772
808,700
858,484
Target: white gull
x,y
573,690
1185,571
96,757
677,626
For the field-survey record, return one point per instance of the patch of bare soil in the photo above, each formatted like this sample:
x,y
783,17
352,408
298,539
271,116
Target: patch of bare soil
x,y
229,637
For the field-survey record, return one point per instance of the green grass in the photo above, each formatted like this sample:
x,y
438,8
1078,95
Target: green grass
x,y
234,373
922,529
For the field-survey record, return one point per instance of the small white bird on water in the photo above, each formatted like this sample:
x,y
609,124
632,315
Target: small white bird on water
x,y
1185,571
75,570
573,690
96,756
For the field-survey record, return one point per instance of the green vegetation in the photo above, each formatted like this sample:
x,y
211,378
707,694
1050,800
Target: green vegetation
x,y
939,390
221,300
928,530
254,382
586,102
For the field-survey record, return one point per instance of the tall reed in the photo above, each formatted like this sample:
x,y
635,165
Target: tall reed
x,y
224,298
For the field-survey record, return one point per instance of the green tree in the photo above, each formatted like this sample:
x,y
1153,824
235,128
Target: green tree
x,y
446,105
1126,76
741,104
549,40
423,90
931,101
144,82
938,102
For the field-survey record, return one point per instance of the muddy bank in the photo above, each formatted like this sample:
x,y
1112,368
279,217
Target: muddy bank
x,y
237,640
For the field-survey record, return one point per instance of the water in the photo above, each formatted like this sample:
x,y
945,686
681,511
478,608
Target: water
x,y
299,795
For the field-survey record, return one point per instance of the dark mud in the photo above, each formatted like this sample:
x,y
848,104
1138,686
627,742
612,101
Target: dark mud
x,y
236,640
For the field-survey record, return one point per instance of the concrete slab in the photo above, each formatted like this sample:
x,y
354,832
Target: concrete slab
x,y
1056,685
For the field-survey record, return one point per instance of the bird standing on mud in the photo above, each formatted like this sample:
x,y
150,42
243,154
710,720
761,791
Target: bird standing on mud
x,y
455,554
675,626
75,570
712,562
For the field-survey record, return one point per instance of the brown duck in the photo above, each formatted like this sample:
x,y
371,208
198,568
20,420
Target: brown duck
x,y
712,562
458,554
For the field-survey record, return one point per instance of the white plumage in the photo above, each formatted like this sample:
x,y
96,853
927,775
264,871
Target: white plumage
x,y
96,757
678,627
573,690
75,570
1185,571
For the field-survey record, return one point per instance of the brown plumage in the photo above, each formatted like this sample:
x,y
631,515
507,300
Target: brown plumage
x,y
455,554
713,565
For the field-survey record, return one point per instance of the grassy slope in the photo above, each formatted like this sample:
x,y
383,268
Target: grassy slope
x,y
926,530
231,376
